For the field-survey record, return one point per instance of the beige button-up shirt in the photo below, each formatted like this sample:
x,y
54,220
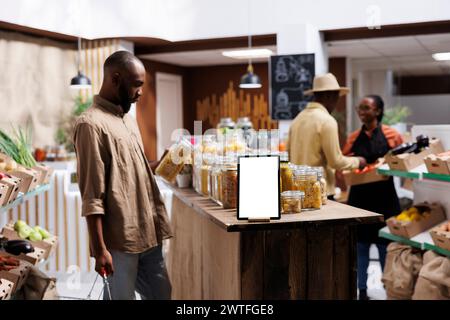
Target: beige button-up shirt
x,y
116,180
313,140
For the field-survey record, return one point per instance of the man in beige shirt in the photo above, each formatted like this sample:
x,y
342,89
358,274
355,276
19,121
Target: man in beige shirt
x,y
126,217
313,136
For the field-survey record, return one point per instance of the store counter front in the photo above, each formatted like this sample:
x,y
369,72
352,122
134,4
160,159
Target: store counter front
x,y
310,255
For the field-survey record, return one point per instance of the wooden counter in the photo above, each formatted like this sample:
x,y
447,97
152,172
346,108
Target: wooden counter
x,y
311,255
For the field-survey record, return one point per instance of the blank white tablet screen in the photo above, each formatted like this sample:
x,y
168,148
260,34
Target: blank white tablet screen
x,y
258,187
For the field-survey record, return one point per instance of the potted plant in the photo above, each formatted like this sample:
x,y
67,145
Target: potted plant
x,y
184,178
396,117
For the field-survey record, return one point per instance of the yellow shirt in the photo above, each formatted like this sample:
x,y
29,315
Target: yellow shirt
x,y
313,140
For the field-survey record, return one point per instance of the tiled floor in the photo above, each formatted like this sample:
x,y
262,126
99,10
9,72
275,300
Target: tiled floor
x,y
78,286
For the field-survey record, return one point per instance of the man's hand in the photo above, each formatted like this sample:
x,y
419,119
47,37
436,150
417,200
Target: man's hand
x,y
155,164
104,261
362,162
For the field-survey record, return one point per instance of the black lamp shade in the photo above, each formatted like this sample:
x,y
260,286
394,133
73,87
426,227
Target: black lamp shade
x,y
80,81
250,80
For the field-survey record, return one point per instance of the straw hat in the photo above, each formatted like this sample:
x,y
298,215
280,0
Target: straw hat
x,y
326,82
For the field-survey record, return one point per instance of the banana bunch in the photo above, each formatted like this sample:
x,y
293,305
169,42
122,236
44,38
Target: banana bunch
x,y
412,214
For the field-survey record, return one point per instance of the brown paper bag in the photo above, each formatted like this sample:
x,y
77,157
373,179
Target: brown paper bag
x,y
434,278
401,270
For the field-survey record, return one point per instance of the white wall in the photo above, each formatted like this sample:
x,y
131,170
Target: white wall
x,y
427,109
198,19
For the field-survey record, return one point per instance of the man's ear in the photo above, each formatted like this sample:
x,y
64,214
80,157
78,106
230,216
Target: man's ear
x,y
116,79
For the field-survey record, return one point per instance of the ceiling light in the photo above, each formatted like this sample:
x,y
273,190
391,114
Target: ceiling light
x,y
441,56
250,80
80,81
248,53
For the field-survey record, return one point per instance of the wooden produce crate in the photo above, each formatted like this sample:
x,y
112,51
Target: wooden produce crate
x,y
43,249
438,164
19,275
14,184
29,179
441,238
45,173
409,161
6,289
352,178
409,229
5,191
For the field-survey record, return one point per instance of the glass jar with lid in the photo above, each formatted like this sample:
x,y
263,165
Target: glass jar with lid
x,y
173,162
306,180
215,183
229,183
225,124
291,201
286,178
323,184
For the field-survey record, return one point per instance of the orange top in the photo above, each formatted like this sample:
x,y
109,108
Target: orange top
x,y
393,137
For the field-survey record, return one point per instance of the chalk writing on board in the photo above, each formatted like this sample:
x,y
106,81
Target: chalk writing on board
x,y
290,75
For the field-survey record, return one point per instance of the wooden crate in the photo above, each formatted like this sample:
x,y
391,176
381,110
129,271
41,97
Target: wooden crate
x,y
441,238
43,249
409,161
19,275
45,173
438,165
6,288
4,194
409,229
29,179
14,184
352,178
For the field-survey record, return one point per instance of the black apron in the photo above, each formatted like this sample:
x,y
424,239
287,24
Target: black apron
x,y
379,197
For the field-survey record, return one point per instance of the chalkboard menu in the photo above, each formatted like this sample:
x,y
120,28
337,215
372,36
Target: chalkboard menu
x,y
290,75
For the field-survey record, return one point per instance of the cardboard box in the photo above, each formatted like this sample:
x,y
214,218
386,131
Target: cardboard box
x,y
438,164
43,249
409,229
441,238
19,275
45,173
29,179
352,178
14,185
409,161
6,288
4,193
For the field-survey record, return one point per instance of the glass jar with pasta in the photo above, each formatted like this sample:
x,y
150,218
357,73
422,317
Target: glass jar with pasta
x,y
323,184
306,180
291,201
229,185
173,162
286,178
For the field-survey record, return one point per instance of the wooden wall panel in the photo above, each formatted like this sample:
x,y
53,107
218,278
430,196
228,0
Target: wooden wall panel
x,y
146,106
214,92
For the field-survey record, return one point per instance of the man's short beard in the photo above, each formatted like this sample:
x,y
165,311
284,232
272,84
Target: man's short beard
x,y
125,101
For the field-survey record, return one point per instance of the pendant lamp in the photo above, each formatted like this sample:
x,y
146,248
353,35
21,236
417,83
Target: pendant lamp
x,y
80,81
250,80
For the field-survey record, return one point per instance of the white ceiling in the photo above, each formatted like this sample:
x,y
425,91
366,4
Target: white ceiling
x,y
410,55
202,57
